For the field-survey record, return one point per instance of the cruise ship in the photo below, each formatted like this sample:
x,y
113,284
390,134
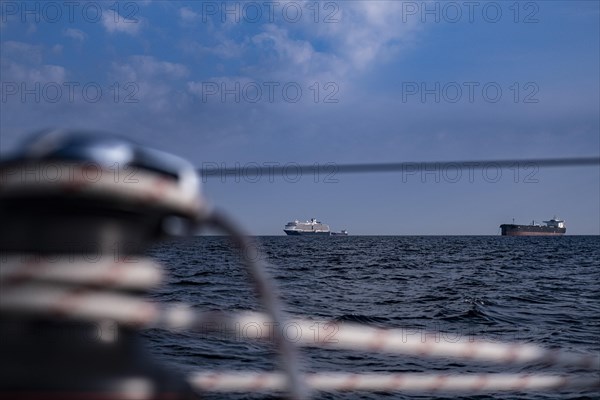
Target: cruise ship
x,y
553,227
312,227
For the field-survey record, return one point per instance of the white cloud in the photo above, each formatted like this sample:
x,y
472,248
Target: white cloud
x,y
372,30
15,72
225,48
155,81
286,56
363,34
296,52
113,22
187,15
146,67
22,51
75,34
23,62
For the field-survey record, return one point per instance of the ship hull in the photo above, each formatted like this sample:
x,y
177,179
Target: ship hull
x,y
530,230
305,233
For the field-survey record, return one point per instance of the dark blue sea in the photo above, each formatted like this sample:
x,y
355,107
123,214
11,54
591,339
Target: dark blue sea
x,y
543,290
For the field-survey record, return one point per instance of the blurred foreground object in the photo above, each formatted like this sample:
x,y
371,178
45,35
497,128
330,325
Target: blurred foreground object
x,y
77,212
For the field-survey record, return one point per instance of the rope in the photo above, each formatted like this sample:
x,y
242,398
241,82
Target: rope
x,y
91,270
348,336
74,302
405,382
270,301
75,287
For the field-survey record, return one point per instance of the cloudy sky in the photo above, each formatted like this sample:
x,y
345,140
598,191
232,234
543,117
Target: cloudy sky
x,y
241,84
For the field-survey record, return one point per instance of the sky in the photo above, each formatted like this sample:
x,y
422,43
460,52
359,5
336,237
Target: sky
x,y
243,83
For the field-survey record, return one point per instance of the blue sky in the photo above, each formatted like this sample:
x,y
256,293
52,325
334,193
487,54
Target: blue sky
x,y
340,82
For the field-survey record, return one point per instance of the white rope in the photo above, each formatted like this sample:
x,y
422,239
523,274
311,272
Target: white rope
x,y
405,382
76,303
129,272
91,305
81,287
341,335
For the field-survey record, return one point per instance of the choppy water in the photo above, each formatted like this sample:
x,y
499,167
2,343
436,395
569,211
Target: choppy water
x,y
544,290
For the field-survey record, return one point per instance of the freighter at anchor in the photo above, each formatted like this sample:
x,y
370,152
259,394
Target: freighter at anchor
x,y
553,227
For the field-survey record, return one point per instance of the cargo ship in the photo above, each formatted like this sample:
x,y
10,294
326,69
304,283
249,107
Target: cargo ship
x,y
553,227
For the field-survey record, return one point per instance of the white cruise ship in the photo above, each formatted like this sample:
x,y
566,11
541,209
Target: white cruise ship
x,y
312,227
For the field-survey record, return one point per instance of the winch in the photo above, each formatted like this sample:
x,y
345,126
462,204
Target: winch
x,y
78,211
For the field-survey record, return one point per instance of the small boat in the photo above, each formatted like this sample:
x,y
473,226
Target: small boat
x,y
343,232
